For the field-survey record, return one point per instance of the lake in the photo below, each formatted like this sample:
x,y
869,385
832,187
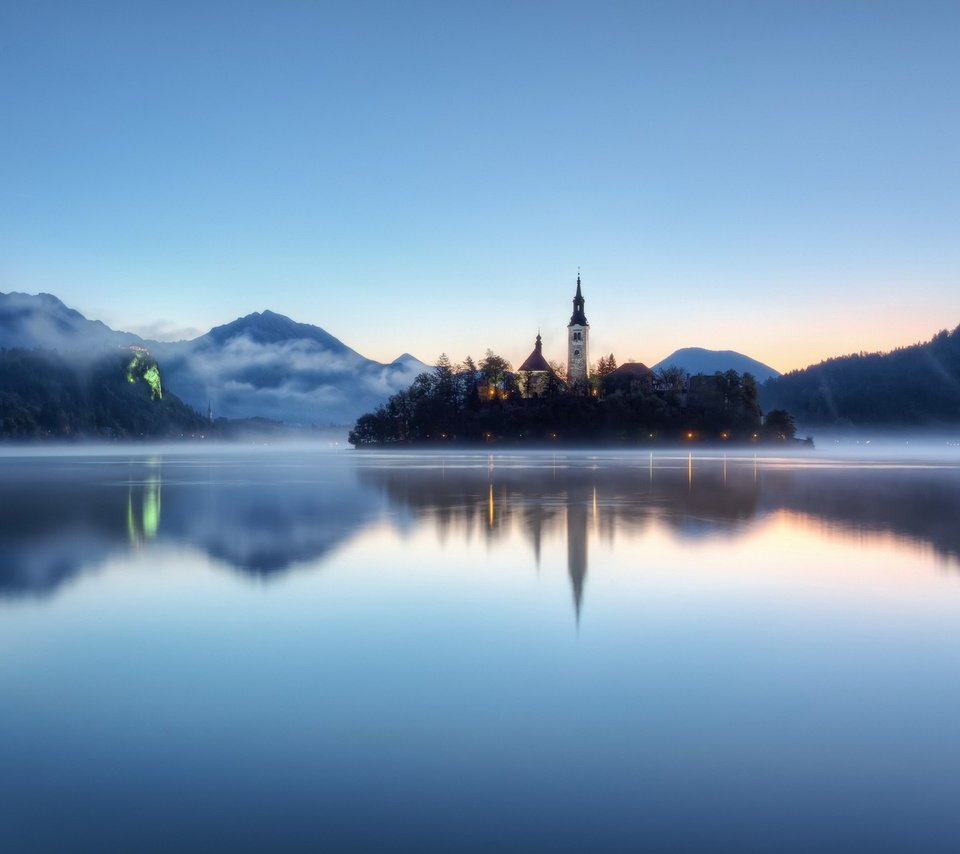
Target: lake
x,y
306,648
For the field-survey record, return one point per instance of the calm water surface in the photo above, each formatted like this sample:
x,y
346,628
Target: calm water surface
x,y
302,649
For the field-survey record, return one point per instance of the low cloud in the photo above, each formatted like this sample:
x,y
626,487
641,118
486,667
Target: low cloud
x,y
298,380
165,330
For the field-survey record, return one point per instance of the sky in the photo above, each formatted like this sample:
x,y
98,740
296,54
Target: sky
x,y
778,178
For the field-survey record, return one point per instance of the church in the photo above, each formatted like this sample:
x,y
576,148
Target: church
x,y
535,374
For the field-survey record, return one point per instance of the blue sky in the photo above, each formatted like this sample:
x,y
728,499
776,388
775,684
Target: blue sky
x,y
779,178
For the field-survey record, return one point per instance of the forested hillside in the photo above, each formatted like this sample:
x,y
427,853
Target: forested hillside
x,y
44,394
917,386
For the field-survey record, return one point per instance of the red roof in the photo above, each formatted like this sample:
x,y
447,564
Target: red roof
x,y
535,361
630,370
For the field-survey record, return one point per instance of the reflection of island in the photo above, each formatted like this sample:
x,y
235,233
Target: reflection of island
x,y
545,500
693,498
59,518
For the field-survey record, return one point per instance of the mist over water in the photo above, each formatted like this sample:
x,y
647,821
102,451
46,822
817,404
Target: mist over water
x,y
290,646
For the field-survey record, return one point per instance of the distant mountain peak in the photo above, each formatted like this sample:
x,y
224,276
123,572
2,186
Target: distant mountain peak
x,y
269,327
699,360
405,358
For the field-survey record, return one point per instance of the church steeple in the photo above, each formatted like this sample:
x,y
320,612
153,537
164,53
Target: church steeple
x,y
578,317
578,336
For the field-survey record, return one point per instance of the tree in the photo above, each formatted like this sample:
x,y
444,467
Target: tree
x,y
605,366
497,375
779,424
494,368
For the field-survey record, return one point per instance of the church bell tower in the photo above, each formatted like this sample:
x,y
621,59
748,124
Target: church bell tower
x,y
578,336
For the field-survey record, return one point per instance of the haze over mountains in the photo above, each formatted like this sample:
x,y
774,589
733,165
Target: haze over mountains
x,y
262,365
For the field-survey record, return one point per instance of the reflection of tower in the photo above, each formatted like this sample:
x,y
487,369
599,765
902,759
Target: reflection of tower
x,y
534,519
578,334
577,549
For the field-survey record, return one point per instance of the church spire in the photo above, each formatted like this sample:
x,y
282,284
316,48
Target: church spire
x,y
578,317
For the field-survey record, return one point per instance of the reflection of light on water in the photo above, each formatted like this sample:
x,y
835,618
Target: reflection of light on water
x,y
131,527
151,508
145,525
490,506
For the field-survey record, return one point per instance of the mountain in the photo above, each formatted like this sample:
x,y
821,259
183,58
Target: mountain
x,y
264,365
697,360
269,366
43,321
911,386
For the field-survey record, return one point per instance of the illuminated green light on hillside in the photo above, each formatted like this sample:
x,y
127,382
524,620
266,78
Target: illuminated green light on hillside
x,y
152,376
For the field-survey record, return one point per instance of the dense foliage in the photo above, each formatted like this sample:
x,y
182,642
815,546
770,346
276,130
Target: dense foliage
x,y
912,386
44,394
475,403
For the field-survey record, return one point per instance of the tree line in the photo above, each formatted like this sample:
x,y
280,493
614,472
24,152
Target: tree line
x,y
911,386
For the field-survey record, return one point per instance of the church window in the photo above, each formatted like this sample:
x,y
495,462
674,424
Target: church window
x,y
576,352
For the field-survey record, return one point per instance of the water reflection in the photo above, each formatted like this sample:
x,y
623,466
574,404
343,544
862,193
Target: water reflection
x,y
582,498
263,515
258,516
143,506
